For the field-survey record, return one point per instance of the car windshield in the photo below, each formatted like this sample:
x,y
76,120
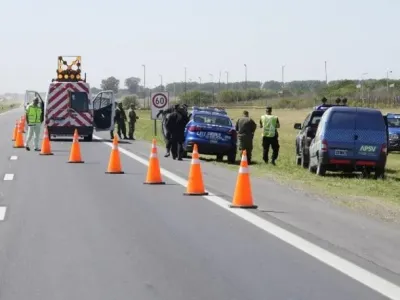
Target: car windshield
x,y
212,120
393,122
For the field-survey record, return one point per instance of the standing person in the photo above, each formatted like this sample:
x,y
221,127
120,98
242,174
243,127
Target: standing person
x,y
269,124
176,123
132,121
167,134
120,119
34,119
245,127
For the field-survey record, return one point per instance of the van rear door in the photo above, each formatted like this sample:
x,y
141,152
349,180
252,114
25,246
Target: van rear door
x,y
104,110
370,135
339,134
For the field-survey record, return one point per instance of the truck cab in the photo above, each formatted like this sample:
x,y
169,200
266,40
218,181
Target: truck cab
x,y
69,104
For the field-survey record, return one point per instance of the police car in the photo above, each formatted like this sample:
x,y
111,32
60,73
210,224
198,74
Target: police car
x,y
393,124
213,131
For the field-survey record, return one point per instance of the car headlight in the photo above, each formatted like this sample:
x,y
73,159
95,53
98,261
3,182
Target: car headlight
x,y
393,137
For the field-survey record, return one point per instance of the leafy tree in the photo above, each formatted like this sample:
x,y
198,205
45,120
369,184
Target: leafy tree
x,y
196,98
111,83
95,90
132,84
128,100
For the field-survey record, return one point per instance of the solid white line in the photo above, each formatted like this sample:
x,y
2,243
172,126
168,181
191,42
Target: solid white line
x,y
14,157
359,274
3,210
9,177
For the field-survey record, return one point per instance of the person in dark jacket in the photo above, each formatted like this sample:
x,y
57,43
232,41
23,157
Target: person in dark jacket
x,y
176,126
120,120
167,135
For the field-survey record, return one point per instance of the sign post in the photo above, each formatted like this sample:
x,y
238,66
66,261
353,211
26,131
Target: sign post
x,y
159,102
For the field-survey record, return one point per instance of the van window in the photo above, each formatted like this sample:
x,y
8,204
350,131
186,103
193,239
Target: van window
x,y
370,121
342,120
79,101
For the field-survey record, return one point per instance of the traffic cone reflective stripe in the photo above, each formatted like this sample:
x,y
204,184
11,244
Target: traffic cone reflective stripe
x,y
114,164
195,185
19,140
243,197
154,171
75,154
46,147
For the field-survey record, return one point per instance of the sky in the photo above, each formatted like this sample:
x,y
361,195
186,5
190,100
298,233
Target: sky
x,y
115,38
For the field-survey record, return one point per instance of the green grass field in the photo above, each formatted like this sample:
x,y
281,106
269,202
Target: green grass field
x,y
346,189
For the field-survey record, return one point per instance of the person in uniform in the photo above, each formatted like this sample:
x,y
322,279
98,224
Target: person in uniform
x,y
34,119
176,124
120,119
167,135
132,121
269,124
245,127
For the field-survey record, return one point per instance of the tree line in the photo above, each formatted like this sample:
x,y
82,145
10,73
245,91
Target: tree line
x,y
196,93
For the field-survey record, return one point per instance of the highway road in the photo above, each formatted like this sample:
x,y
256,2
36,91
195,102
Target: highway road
x,y
70,231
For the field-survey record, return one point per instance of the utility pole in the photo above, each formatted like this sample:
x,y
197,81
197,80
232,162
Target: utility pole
x,y
212,80
185,82
326,73
162,88
245,76
227,79
387,80
283,80
144,87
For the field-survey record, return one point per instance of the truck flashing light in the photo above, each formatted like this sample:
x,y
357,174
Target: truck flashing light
x,y
69,71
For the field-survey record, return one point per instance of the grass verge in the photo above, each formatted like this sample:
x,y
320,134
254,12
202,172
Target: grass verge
x,y
351,190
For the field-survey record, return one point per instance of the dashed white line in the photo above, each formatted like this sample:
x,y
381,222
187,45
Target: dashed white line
x,y
348,268
3,210
9,177
14,157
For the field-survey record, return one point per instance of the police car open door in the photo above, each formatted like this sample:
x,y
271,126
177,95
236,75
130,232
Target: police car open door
x,y
103,111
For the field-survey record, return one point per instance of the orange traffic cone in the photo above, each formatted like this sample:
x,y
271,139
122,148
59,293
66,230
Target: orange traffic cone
x,y
154,172
243,197
15,131
114,164
22,124
75,154
195,185
19,140
46,147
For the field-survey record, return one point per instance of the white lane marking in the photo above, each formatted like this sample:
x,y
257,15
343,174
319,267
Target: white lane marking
x,y
361,275
14,157
3,210
9,177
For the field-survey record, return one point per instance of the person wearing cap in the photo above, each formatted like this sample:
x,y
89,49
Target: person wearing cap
x,y
269,124
245,127
132,121
167,134
34,119
120,119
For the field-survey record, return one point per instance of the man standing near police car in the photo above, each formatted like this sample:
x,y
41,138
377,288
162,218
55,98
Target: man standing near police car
x,y
245,127
269,124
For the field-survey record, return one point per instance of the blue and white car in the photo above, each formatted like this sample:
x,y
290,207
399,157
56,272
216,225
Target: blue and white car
x,y
393,124
213,131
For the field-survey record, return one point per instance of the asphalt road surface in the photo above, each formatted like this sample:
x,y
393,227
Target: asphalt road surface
x,y
70,231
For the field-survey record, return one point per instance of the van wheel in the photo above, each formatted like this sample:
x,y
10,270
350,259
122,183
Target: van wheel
x,y
88,138
379,173
220,157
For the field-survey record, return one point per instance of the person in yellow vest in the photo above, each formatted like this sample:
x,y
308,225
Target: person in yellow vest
x,y
269,124
34,119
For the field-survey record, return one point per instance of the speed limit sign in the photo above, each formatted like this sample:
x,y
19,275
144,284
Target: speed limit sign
x,y
159,101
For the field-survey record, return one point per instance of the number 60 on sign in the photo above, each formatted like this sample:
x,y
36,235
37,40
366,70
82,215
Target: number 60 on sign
x,y
159,101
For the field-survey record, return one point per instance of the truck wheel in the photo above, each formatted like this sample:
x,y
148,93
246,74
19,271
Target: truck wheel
x,y
88,138
379,173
